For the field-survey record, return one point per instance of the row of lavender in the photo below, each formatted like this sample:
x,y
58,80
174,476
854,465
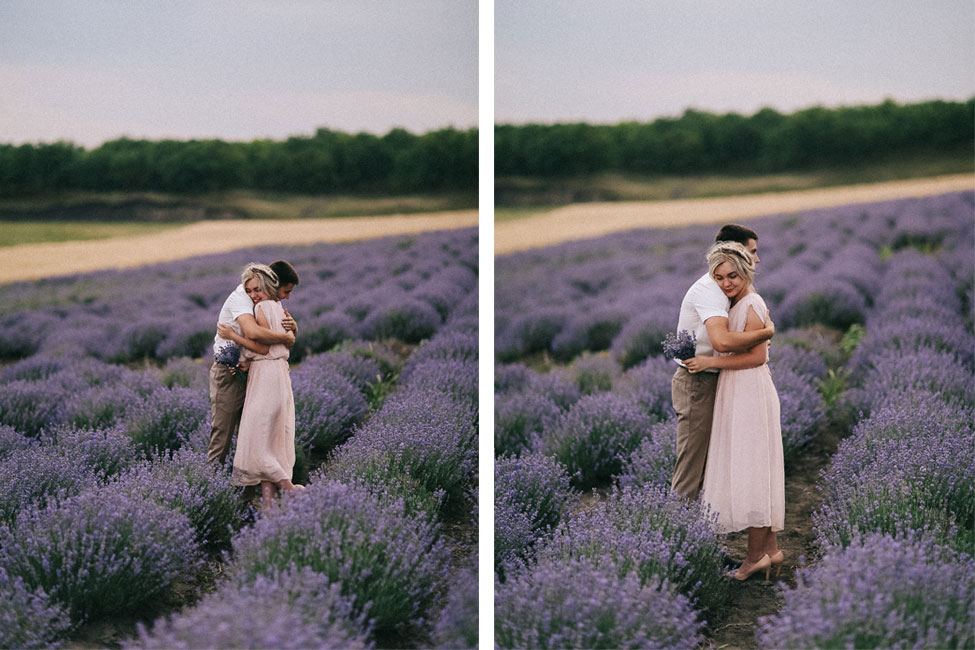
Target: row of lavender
x,y
897,524
567,428
398,287
108,500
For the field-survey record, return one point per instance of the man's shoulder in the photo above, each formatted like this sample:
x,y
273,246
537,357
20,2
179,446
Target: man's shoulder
x,y
704,287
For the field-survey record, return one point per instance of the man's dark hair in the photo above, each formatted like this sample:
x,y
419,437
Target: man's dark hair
x,y
732,232
285,272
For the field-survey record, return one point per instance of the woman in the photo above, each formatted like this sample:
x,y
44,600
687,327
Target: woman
x,y
744,479
266,438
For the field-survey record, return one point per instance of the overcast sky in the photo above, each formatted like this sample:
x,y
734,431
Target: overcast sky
x,y
562,60
93,70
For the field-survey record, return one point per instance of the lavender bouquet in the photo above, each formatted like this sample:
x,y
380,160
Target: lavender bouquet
x,y
228,355
682,345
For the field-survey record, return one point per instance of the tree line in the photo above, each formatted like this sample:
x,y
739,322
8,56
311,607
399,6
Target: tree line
x,y
328,161
768,141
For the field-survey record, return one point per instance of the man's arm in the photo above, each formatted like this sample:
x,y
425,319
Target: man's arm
x,y
724,341
250,328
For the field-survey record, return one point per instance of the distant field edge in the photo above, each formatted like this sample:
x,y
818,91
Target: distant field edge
x,y
37,261
587,220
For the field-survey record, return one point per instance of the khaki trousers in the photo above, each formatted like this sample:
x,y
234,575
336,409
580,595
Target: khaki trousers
x,y
693,396
226,404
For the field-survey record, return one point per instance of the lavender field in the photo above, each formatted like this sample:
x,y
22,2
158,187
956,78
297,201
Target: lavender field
x,y
113,529
873,306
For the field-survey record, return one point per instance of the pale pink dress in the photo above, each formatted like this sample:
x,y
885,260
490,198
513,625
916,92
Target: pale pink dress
x,y
266,440
744,478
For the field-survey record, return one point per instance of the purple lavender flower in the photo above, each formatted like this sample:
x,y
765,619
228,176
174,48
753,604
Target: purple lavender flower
x,y
228,355
28,619
377,553
589,603
327,408
652,532
652,463
99,553
520,419
878,592
682,345
294,608
456,627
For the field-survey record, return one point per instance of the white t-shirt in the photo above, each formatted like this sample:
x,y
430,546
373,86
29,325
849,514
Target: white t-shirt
x,y
703,300
236,304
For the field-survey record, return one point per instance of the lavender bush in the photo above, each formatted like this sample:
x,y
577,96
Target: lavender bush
x,y
456,626
594,436
655,534
581,603
652,463
106,451
594,373
531,496
650,385
327,408
878,592
28,619
802,411
167,419
186,483
100,553
36,475
372,548
521,418
294,608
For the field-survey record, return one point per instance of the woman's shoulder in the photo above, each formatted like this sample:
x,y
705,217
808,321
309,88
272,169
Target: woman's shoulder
x,y
270,307
755,299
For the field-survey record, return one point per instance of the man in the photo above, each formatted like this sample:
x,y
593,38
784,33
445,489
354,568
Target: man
x,y
704,312
226,393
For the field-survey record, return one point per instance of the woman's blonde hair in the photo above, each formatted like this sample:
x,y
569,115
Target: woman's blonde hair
x,y
735,254
267,281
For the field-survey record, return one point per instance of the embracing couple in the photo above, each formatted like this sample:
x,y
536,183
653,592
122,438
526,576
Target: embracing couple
x,y
261,408
729,437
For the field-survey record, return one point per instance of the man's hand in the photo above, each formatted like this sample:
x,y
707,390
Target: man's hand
x,y
290,343
289,323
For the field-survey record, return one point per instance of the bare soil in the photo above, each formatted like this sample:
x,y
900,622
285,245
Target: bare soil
x,y
35,261
586,220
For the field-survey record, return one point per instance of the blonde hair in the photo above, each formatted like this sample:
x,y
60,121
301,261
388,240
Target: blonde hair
x,y
736,255
267,280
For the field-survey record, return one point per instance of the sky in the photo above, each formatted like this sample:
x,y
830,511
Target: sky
x,y
616,60
97,70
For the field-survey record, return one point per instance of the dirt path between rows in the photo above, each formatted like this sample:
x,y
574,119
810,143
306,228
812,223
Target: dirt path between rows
x,y
35,261
586,220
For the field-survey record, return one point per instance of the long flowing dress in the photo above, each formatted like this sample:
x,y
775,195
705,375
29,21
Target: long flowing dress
x,y
266,438
744,478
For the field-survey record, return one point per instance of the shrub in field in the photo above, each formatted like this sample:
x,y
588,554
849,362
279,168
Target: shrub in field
x,y
878,592
390,363
824,300
372,548
531,495
34,368
650,385
33,476
99,553
105,451
324,332
511,378
456,380
181,371
360,371
11,441
100,406
802,411
445,346
166,419
791,347
293,608
653,533
584,603
906,467
595,435
530,333
892,377
908,333
185,482
28,619
594,373
456,626
327,408
521,418
801,361
30,406
425,436
641,338
587,332
408,320
557,386
652,463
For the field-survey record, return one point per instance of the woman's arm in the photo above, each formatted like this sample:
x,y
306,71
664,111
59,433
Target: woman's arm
x,y
753,358
227,332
